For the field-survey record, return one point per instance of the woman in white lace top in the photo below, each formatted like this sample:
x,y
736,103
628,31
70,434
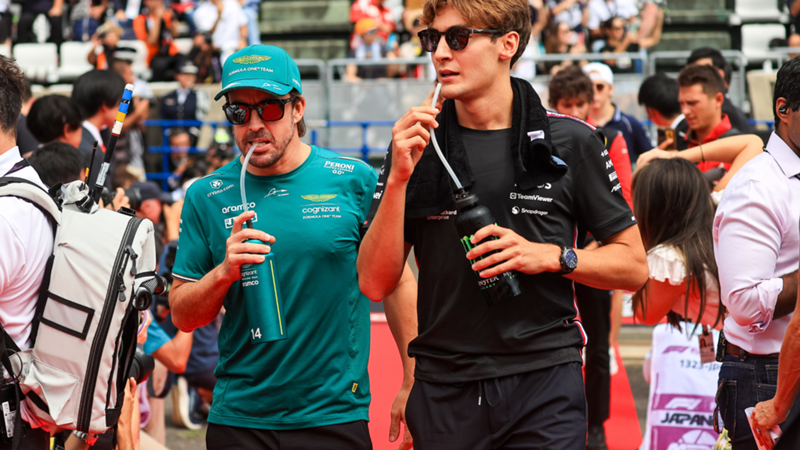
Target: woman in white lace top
x,y
675,213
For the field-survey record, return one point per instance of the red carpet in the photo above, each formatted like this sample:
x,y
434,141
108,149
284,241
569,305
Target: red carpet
x,y
622,428
386,376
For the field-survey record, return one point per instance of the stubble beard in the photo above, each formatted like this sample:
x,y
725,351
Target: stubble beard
x,y
270,158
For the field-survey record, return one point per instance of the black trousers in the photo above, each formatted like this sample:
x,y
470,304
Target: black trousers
x,y
345,436
595,308
544,410
34,439
25,28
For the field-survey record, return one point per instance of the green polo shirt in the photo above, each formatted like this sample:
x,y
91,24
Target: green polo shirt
x,y
318,375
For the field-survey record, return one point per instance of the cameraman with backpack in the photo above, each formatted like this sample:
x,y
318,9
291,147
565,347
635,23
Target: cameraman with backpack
x,y
27,238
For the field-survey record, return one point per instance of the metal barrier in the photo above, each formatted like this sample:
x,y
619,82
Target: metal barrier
x,y
781,54
365,149
739,95
165,149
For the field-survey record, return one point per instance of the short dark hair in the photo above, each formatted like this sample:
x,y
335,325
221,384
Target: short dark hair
x,y
706,76
570,82
660,92
717,60
11,87
57,162
95,89
49,115
787,86
707,52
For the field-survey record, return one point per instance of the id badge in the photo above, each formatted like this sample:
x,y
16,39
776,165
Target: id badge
x,y
8,420
706,342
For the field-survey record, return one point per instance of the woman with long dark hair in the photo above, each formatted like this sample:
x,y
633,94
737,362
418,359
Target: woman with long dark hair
x,y
673,204
675,212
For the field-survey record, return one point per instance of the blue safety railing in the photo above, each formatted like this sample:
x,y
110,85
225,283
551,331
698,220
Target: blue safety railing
x,y
364,150
165,149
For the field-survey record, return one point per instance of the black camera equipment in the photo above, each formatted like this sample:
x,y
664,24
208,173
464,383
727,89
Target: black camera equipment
x,y
143,297
134,197
142,366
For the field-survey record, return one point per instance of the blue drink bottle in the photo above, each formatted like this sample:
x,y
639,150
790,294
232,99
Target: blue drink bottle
x,y
260,289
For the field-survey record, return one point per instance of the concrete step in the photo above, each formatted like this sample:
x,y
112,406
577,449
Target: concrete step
x,y
304,16
697,17
678,41
313,48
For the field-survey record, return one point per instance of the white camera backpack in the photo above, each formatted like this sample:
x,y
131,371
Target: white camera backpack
x,y
101,273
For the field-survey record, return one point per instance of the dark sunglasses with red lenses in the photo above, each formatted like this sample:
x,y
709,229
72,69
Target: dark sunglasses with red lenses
x,y
457,38
268,110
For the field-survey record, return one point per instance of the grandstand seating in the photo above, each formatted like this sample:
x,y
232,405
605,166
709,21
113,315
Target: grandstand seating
x,y
139,65
73,60
184,45
759,11
684,19
39,61
755,40
307,28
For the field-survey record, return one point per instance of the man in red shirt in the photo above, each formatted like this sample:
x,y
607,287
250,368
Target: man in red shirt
x,y
702,92
571,94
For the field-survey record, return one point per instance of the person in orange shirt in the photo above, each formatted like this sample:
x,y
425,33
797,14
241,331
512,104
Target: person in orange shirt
x,y
158,30
104,43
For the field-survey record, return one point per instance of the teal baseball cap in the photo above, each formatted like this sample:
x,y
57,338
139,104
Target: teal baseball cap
x,y
263,67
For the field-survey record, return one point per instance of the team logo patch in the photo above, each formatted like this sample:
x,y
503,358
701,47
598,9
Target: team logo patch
x,y
251,59
216,184
319,198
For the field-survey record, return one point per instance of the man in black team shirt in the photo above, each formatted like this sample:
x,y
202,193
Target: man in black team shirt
x,y
508,375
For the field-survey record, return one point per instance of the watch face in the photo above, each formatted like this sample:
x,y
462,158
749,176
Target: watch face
x,y
571,258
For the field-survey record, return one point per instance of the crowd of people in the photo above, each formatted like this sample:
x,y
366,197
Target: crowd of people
x,y
217,27
702,229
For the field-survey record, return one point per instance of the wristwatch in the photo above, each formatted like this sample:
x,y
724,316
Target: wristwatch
x,y
86,437
568,260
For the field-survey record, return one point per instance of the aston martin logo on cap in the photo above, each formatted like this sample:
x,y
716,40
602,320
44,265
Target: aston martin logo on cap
x,y
251,59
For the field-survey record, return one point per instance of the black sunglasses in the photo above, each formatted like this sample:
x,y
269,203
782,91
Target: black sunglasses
x,y
268,110
457,38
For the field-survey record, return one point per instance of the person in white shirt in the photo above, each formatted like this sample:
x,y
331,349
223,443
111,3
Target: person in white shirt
x,y
756,243
26,237
602,10
226,22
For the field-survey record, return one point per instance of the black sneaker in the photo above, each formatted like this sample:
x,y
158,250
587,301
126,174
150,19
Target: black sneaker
x,y
597,438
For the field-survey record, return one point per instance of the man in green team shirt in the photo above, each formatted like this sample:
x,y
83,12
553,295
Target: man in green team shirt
x,y
310,390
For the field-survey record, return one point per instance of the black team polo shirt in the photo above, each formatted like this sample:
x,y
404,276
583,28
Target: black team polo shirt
x,y
461,338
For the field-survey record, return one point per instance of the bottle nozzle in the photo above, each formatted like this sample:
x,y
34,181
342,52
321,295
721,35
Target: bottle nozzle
x,y
246,161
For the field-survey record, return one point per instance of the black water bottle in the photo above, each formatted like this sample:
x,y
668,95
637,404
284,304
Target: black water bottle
x,y
472,217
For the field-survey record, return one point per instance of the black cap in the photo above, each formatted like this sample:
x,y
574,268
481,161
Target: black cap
x,y
149,191
464,199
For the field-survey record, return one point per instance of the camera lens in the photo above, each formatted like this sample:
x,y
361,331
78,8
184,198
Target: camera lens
x,y
134,197
142,366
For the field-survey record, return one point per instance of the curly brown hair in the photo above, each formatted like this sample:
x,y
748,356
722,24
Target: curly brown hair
x,y
12,84
570,82
503,15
